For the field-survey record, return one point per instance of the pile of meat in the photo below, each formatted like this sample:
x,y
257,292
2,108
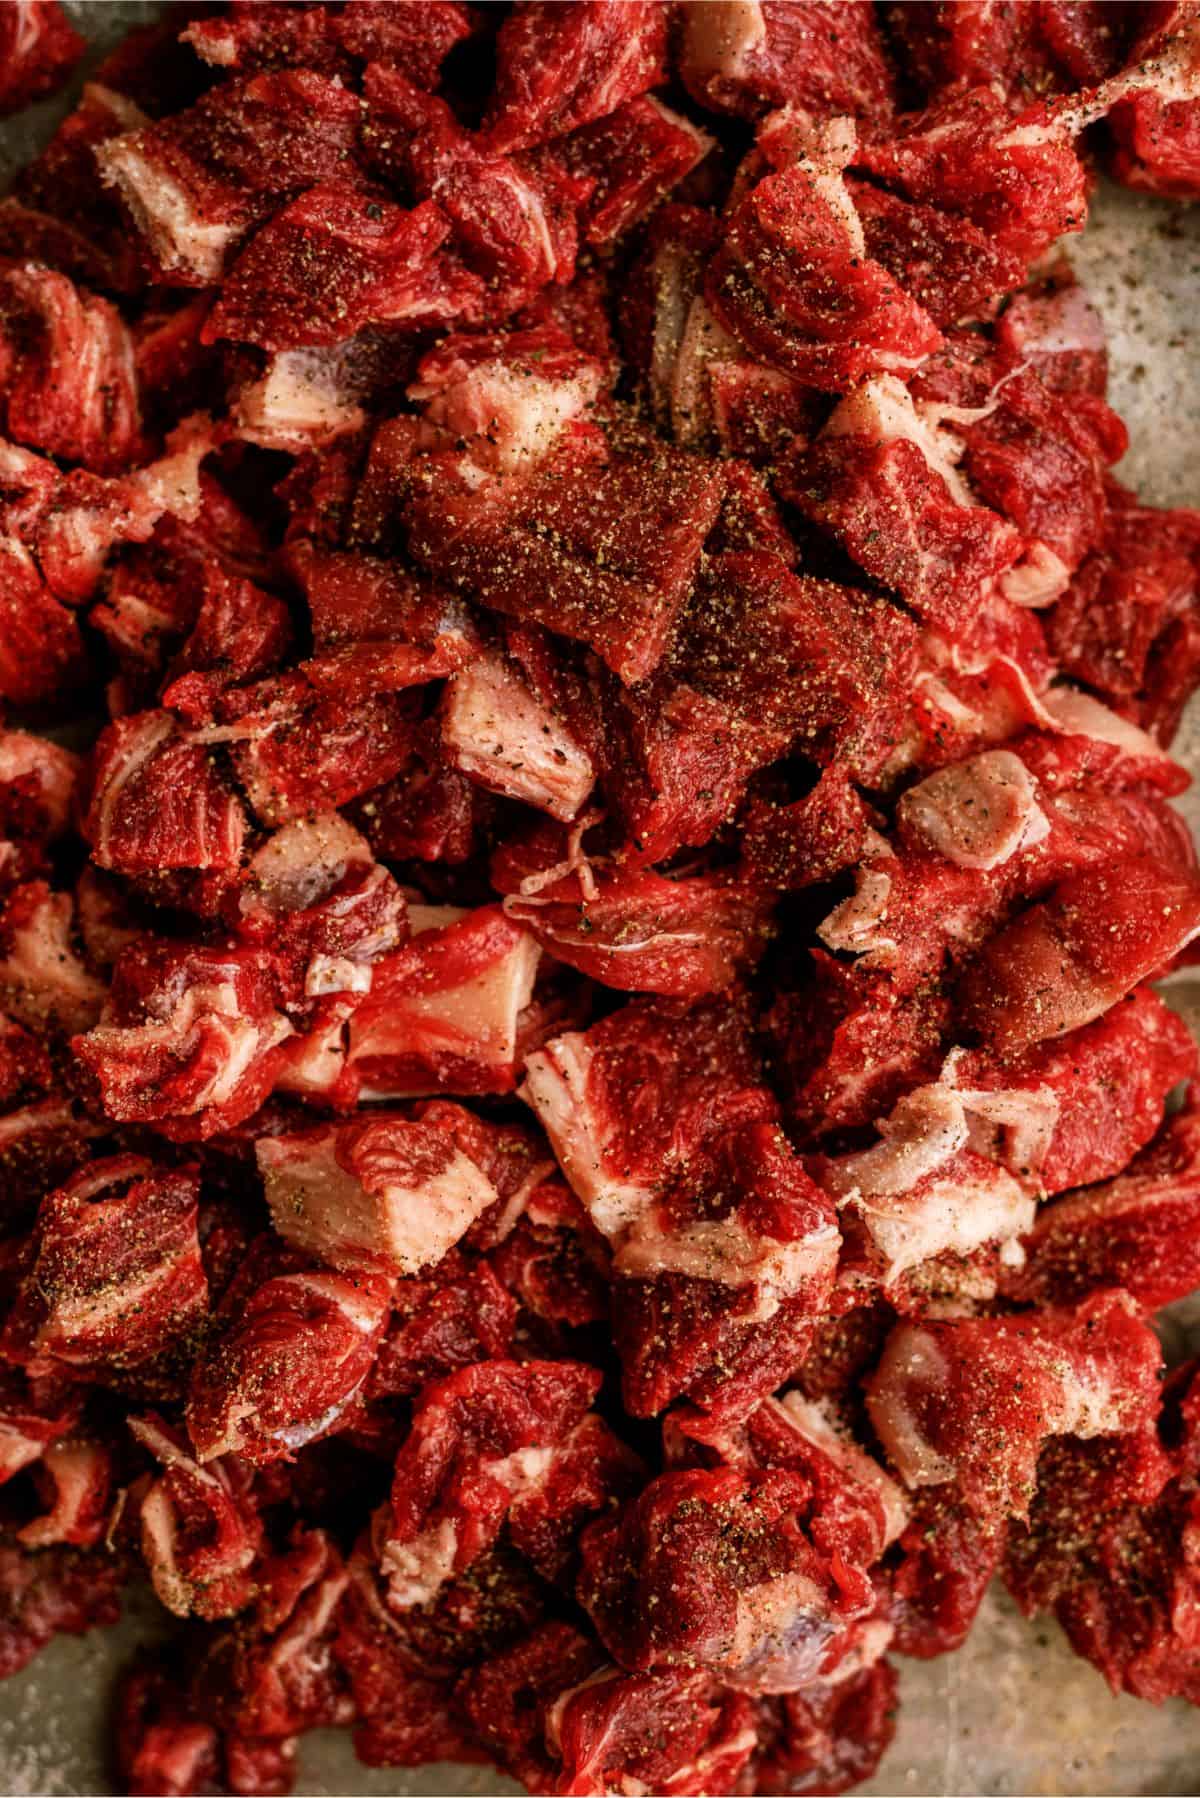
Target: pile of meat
x,y
587,1145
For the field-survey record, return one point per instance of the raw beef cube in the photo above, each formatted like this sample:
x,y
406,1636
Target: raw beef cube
x,y
195,183
117,1289
604,553
879,479
444,1013
42,653
1111,1080
558,68
1136,1231
159,801
201,1534
1066,960
640,933
495,731
328,1325
974,1401
381,1192
629,1102
43,979
747,56
507,395
483,1443
339,259
190,1039
635,156
950,266
793,282
38,49
716,1569
73,391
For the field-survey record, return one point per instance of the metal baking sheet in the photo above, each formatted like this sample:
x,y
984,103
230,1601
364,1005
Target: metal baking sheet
x,y
1014,1711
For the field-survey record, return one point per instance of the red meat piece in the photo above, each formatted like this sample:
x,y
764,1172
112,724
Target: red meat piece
x,y
507,395
974,1400
37,789
200,1532
831,1738
670,1730
1158,143
1067,959
951,267
416,39
1039,458
855,1509
161,1745
42,654
72,391
38,49
338,259
92,514
635,156
629,1103
941,1567
555,1260
1020,181
499,730
274,1676
1110,1550
190,1040
1111,1080
557,69
1054,328
808,658
78,214
403,1716
41,1143
429,813
723,1279
457,1315
378,1192
1134,1232
377,628
641,933
117,1290
43,980
513,217
793,283
546,548
324,1328
891,508
961,45
315,897
196,182
157,801
483,1445
676,762
74,1480
55,1591
810,840
240,633
36,1412
444,1014
715,1570
1125,624
747,59
296,749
